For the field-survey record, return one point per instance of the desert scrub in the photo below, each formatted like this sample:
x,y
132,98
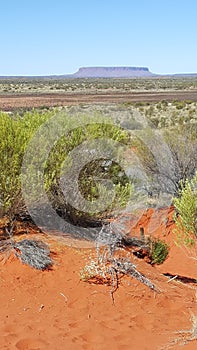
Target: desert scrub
x,y
158,251
186,207
167,157
93,174
16,132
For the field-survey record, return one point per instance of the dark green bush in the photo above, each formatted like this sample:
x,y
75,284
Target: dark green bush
x,y
159,251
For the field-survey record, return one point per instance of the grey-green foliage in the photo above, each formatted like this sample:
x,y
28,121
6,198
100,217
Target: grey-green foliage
x,y
169,156
88,187
15,134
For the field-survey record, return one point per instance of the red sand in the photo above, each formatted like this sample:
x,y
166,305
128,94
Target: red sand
x,y
55,310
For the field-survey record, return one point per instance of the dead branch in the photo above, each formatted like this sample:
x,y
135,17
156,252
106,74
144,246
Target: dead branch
x,y
125,267
32,252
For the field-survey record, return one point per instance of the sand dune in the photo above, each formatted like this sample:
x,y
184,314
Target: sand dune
x,y
55,310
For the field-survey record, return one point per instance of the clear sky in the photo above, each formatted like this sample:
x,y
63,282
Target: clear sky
x,y
41,37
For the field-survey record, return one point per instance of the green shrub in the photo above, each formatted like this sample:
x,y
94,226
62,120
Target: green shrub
x,y
15,135
159,251
186,206
141,104
179,104
89,188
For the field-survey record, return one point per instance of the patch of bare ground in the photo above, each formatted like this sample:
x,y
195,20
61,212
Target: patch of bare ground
x,y
57,310
10,102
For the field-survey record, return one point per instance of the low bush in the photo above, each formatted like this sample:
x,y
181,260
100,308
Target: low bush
x,y
168,157
186,207
15,134
158,251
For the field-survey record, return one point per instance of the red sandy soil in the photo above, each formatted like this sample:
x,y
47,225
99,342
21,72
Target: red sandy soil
x,y
14,101
55,310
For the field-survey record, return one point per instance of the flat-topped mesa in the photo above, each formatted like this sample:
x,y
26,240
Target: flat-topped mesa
x,y
112,72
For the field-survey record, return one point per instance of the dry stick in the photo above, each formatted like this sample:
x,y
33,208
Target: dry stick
x,y
172,278
111,240
126,267
115,282
120,266
142,236
7,243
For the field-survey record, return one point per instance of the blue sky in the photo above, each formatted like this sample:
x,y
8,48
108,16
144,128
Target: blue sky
x,y
59,36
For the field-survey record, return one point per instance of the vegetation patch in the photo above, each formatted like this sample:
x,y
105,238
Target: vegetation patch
x,y
159,251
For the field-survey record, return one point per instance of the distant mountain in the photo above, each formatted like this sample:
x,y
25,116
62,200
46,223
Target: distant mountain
x,y
112,72
108,72
183,75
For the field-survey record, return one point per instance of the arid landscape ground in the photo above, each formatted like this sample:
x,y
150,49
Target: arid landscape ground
x,y
21,93
56,309
8,103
